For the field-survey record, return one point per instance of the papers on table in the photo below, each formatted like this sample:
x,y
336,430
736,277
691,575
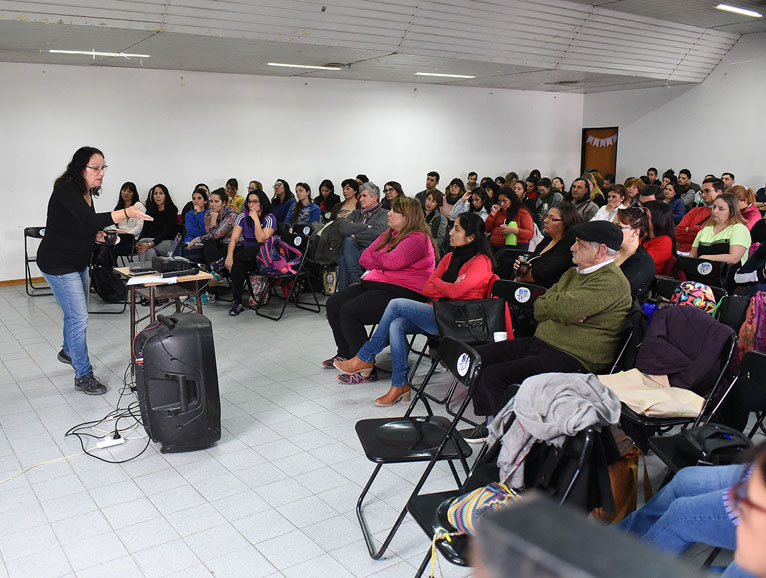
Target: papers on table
x,y
150,279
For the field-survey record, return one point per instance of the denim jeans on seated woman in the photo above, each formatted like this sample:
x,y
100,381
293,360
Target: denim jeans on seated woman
x,y
689,510
403,317
71,291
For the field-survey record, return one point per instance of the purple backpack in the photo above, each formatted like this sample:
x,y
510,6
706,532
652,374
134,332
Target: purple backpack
x,y
276,257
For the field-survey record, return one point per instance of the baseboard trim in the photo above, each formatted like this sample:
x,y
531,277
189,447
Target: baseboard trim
x,y
10,282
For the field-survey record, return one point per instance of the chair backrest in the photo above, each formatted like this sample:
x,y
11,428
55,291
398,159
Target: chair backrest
x,y
732,310
462,360
664,286
34,232
723,384
516,293
703,270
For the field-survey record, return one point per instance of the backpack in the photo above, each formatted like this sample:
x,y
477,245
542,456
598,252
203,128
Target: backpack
x,y
695,294
325,245
276,257
104,281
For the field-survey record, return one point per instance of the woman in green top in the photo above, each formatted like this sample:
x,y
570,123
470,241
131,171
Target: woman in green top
x,y
725,236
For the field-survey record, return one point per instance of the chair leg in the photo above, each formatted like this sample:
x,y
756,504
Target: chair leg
x,y
711,558
758,424
423,564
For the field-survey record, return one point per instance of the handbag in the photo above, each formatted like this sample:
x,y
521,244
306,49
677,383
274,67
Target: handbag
x,y
470,321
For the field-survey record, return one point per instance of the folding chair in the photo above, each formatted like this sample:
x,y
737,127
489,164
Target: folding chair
x,y
428,438
29,286
299,282
663,287
712,273
567,467
521,299
732,310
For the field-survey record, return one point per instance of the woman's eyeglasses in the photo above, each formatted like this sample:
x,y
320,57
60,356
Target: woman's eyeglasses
x,y
256,202
738,496
550,218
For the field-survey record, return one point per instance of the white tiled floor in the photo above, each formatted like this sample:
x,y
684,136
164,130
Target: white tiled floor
x,y
275,497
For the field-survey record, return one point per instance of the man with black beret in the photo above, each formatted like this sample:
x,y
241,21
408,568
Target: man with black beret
x,y
581,320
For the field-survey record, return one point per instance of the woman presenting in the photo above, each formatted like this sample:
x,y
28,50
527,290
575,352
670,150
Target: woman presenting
x,y
71,228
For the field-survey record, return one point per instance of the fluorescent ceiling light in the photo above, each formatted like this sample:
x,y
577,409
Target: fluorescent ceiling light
x,y
443,75
93,53
742,11
304,66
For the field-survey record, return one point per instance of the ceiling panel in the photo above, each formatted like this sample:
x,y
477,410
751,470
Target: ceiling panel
x,y
504,43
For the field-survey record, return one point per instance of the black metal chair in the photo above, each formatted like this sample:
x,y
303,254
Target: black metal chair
x,y
521,299
428,438
29,286
712,273
298,282
570,462
732,310
662,288
660,425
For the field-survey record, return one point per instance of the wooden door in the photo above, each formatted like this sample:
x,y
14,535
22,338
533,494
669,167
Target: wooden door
x,y
599,150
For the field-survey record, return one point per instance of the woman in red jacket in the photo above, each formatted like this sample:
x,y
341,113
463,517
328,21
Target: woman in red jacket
x,y
506,211
465,273
661,243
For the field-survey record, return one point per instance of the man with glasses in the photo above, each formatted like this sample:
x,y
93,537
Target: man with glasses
x,y
694,220
359,230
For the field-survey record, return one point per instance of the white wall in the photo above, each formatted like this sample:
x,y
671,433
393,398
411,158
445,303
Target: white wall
x,y
716,126
183,128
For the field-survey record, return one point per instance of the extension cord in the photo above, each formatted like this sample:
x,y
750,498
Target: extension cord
x,y
109,441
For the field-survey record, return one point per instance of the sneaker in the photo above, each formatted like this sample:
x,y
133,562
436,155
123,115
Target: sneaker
x,y
355,378
206,297
89,385
330,363
236,309
64,358
216,278
477,435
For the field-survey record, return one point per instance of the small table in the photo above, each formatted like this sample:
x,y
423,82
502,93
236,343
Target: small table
x,y
152,289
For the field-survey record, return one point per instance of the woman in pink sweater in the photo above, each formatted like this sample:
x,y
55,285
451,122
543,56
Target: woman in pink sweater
x,y
465,273
398,264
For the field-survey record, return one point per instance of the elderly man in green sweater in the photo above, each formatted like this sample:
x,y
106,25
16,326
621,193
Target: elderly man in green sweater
x,y
581,320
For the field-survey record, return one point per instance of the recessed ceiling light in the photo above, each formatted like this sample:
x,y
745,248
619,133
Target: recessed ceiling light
x,y
304,66
93,53
742,11
443,75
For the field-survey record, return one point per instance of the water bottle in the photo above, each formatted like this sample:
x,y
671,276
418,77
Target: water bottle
x,y
510,238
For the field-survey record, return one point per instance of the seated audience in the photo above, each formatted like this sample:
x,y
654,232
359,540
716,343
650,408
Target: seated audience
x,y
552,256
283,201
694,220
304,211
675,202
509,223
581,199
475,201
661,242
194,223
650,193
596,182
434,218
721,506
746,202
326,199
253,186
349,204
686,189
157,235
464,273
432,179
235,199
452,195
359,230
725,236
398,262
254,225
557,184
581,321
728,180
615,200
219,222
634,261
391,190
129,226
189,205
651,176
361,178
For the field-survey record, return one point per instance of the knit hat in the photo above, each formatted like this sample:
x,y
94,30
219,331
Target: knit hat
x,y
602,232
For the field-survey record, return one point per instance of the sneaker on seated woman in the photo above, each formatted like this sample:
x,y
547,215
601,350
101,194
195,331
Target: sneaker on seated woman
x,y
464,273
398,264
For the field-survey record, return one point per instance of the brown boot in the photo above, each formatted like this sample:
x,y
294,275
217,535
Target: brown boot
x,y
354,365
394,394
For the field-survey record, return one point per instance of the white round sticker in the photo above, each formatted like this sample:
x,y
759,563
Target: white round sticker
x,y
463,363
704,268
297,242
522,294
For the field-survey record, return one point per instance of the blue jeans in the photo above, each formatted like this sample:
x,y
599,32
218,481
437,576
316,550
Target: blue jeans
x,y
689,510
402,317
349,270
71,291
